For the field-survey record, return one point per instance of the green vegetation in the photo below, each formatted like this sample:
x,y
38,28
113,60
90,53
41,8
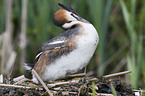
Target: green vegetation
x,y
120,25
113,91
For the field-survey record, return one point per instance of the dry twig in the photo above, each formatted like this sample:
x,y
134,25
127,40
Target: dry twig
x,y
76,75
38,77
23,80
61,83
15,86
117,74
101,94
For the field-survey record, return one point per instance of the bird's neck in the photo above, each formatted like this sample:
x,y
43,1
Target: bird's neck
x,y
69,25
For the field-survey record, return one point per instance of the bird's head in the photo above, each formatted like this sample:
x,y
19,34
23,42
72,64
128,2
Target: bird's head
x,y
66,17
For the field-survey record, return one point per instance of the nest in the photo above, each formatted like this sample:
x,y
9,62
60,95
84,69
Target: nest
x,y
82,86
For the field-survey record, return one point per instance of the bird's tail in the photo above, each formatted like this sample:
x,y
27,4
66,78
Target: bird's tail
x,y
28,66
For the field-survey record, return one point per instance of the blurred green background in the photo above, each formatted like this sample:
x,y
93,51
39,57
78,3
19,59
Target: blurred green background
x,y
26,24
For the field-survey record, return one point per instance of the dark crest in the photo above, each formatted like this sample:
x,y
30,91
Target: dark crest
x,y
68,8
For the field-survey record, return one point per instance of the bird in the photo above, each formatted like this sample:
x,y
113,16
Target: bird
x,y
68,52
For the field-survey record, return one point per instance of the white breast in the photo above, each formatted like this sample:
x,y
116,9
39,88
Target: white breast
x,y
78,58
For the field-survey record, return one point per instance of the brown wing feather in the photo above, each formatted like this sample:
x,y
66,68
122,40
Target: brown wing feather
x,y
50,56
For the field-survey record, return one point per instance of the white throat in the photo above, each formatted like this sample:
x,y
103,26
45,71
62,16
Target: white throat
x,y
69,25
